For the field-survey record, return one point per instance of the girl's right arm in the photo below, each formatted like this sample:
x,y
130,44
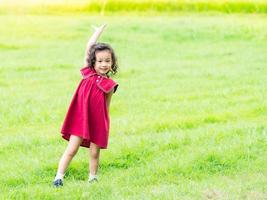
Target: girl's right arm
x,y
92,41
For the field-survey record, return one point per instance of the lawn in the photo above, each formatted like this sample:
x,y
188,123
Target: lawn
x,y
188,120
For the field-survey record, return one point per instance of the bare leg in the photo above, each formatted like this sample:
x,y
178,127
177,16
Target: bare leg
x,y
71,150
94,158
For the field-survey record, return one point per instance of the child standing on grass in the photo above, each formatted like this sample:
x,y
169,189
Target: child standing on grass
x,y
87,121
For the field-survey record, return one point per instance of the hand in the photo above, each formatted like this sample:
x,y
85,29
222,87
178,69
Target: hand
x,y
100,28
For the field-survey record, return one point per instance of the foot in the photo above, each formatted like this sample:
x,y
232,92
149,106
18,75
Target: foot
x,y
58,183
93,180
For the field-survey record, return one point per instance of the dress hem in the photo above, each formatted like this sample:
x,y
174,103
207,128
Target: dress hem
x,y
66,135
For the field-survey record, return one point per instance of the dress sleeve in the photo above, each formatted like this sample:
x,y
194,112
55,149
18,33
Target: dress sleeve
x,y
106,85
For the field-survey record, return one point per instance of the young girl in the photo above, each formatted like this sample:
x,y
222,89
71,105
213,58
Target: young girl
x,y
87,121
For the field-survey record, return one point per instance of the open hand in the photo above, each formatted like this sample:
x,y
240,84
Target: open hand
x,y
100,28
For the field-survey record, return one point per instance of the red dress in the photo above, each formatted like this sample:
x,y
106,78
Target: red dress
x,y
87,116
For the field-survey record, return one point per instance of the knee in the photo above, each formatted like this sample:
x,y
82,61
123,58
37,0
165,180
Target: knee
x,y
94,155
72,152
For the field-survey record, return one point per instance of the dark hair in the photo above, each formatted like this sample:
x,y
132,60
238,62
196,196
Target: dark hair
x,y
91,58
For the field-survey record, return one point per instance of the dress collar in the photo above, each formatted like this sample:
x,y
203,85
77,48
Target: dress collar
x,y
87,72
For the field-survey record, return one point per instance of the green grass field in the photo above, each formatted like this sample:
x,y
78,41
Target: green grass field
x,y
187,122
146,7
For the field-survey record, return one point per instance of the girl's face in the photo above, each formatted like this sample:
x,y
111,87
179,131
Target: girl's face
x,y
103,62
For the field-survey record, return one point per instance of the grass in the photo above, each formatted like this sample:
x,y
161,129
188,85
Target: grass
x,y
188,120
144,7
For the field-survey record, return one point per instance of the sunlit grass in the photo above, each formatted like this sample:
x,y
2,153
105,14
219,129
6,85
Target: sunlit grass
x,y
187,122
147,7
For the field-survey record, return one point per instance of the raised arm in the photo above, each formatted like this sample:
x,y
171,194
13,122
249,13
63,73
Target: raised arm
x,y
93,39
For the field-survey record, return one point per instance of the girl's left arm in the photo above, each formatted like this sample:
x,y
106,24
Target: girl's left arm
x,y
108,98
